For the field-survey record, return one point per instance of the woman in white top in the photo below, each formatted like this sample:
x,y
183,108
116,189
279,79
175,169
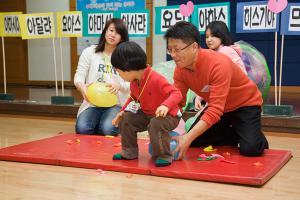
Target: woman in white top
x,y
94,65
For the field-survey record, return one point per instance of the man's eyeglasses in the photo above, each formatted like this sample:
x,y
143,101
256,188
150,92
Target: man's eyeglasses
x,y
170,51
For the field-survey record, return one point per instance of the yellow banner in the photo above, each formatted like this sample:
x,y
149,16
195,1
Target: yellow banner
x,y
38,25
9,24
1,25
69,24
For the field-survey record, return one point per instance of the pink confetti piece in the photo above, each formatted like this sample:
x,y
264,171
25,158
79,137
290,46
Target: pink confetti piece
x,y
69,141
217,155
258,163
147,143
228,161
202,156
226,154
118,144
100,171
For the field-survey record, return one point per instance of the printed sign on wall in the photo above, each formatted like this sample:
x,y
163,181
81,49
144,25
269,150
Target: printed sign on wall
x,y
69,24
94,22
112,5
9,24
255,17
137,22
167,16
290,20
207,13
39,25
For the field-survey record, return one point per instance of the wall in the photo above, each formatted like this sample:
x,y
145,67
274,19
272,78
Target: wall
x,y
264,42
40,51
159,43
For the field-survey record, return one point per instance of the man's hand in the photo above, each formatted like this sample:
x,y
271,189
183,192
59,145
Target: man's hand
x,y
161,111
198,104
184,141
183,144
117,119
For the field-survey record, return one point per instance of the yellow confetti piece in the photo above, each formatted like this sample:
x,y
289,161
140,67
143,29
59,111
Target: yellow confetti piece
x,y
109,136
78,140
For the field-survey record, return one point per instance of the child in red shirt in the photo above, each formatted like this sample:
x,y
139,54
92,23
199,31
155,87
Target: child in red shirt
x,y
153,105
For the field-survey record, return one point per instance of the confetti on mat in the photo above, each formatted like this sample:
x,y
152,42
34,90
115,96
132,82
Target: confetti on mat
x,y
69,141
258,163
78,140
99,142
118,144
109,136
228,161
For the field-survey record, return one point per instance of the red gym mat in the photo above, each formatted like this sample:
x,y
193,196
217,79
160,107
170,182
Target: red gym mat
x,y
96,152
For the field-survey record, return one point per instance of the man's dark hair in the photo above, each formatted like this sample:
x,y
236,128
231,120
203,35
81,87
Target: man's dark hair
x,y
129,56
120,29
219,29
184,31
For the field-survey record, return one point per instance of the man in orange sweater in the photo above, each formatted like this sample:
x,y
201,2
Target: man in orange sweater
x,y
233,115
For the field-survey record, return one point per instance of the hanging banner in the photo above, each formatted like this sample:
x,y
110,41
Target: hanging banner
x,y
94,22
69,24
167,16
113,5
255,17
38,25
207,13
9,24
290,20
137,22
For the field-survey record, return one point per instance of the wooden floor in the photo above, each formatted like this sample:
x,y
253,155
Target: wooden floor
x,y
33,181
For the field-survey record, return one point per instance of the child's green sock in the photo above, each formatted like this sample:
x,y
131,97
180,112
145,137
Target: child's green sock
x,y
161,163
118,156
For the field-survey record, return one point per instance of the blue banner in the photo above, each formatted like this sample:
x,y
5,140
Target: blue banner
x,y
290,20
254,17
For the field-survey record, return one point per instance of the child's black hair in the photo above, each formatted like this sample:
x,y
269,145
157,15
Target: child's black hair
x,y
219,29
184,31
129,56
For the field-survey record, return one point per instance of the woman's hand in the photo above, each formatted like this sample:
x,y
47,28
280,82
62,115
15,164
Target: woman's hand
x,y
117,119
82,89
161,111
113,87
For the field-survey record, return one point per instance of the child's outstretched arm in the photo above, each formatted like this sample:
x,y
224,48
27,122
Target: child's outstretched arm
x,y
117,119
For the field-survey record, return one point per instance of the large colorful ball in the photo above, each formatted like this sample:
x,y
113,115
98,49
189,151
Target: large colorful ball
x,y
98,94
256,67
173,145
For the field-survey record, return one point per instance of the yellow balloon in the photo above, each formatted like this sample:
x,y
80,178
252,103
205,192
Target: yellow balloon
x,y
98,94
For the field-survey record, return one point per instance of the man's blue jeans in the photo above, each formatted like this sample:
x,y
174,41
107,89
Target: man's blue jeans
x,y
96,120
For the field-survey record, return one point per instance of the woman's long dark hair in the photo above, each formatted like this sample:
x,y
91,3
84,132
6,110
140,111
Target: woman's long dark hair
x,y
120,29
220,30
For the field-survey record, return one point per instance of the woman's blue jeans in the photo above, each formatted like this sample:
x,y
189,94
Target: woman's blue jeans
x,y
97,120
